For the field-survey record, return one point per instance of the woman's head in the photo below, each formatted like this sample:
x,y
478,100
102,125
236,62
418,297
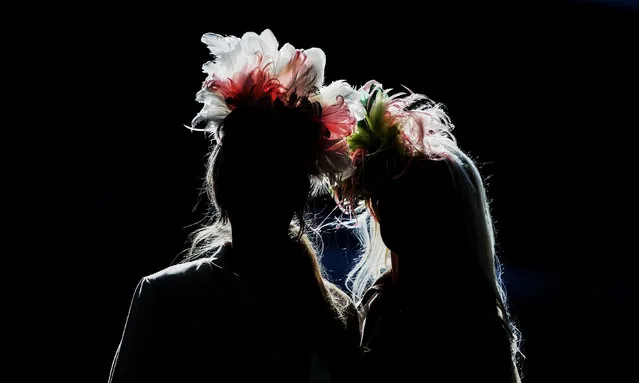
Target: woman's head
x,y
423,192
421,208
403,175
436,207
426,201
266,157
278,131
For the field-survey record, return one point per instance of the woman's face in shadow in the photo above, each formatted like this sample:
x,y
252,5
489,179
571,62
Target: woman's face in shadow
x,y
262,168
253,190
417,211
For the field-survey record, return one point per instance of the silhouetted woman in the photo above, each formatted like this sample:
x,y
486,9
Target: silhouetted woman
x,y
253,306
436,310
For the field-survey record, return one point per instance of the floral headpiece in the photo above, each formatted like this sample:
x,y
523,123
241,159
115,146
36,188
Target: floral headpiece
x,y
252,68
395,128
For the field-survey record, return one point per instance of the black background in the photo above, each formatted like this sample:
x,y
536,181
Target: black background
x,y
540,93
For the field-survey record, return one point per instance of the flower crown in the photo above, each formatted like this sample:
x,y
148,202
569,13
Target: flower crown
x,y
252,68
395,128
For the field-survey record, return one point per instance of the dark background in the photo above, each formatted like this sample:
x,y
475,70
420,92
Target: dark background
x,y
540,93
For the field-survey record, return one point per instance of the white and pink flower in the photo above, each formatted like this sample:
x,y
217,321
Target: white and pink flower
x,y
252,67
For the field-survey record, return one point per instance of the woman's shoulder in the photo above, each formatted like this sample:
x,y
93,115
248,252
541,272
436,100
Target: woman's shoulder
x,y
180,271
189,273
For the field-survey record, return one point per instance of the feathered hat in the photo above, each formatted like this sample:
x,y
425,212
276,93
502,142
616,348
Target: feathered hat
x,y
254,67
395,129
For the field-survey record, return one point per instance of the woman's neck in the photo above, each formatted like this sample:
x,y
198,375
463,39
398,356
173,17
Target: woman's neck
x,y
258,238
249,233
254,245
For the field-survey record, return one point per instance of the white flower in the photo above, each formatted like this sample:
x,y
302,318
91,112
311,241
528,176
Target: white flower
x,y
297,70
328,96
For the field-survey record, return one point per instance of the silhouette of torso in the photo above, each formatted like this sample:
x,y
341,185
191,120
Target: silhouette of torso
x,y
429,338
200,322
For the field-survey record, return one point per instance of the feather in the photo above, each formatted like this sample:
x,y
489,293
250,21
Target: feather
x,y
301,74
329,94
394,126
252,67
218,43
316,59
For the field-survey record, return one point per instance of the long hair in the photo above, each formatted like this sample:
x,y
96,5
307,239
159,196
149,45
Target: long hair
x,y
467,181
240,164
